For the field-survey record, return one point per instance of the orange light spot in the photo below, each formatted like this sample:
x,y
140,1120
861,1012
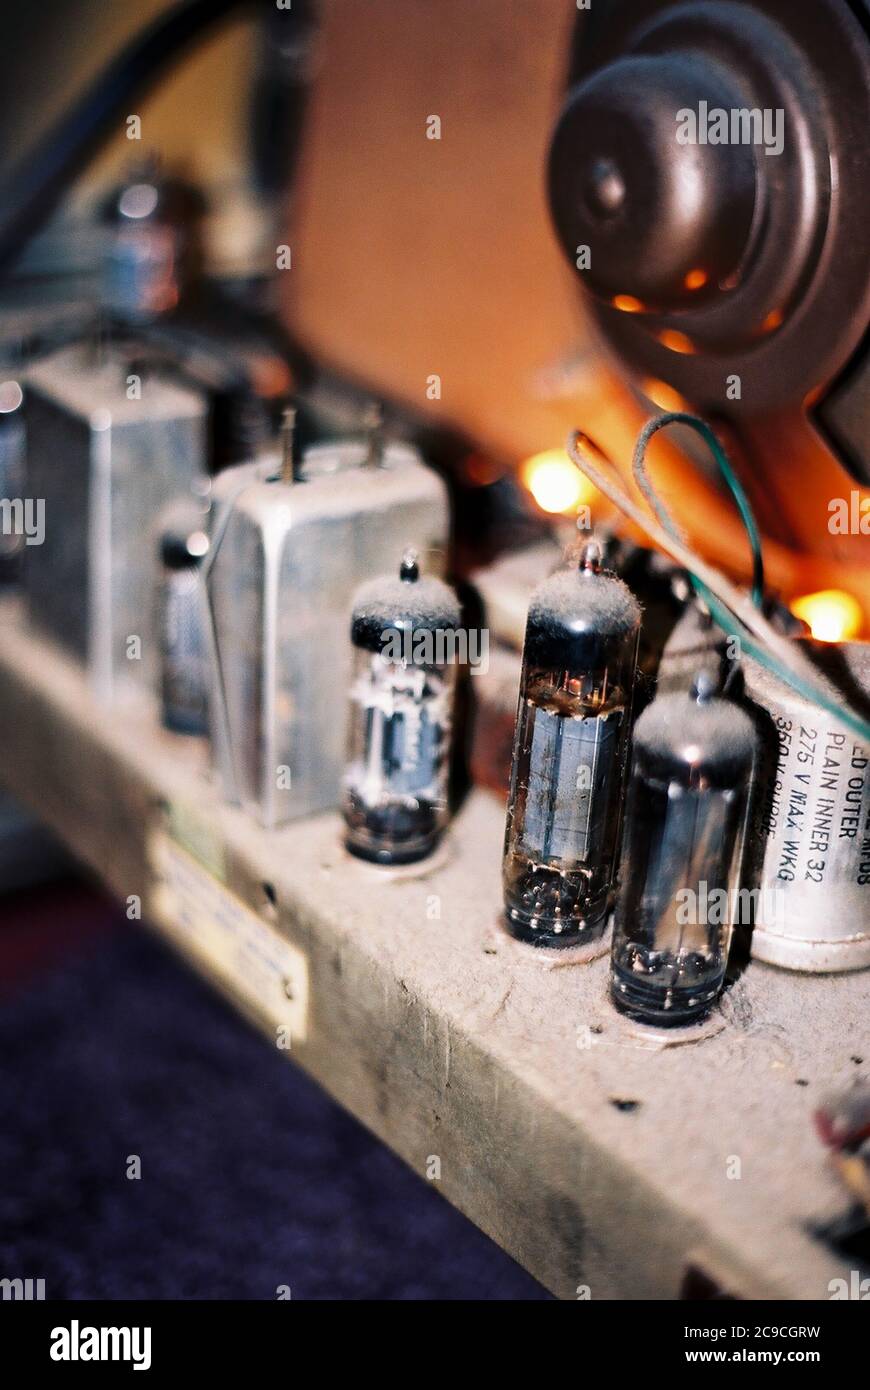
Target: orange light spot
x,y
675,341
696,279
772,322
270,375
555,483
627,304
663,395
832,615
482,470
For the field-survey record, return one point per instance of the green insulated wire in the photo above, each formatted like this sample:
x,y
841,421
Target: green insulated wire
x,y
723,463
588,457
726,620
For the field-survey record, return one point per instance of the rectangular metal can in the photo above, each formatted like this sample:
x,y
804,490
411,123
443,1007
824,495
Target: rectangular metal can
x,y
285,562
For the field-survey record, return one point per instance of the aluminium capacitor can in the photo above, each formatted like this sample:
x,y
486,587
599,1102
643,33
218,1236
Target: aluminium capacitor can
x,y
810,840
570,755
286,559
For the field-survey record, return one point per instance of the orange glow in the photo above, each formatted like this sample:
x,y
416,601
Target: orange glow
x,y
663,395
677,342
482,470
832,614
696,279
628,304
773,321
555,483
271,376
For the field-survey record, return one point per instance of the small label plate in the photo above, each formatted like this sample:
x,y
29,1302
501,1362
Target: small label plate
x,y
235,945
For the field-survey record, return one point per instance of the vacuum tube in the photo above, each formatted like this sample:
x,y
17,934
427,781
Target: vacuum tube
x,y
150,243
570,755
180,622
691,770
395,790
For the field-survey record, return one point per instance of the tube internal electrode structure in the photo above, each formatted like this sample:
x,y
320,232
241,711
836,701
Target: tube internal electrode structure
x,y
396,784
692,766
570,755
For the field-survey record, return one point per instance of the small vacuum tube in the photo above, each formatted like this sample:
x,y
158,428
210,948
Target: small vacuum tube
x,y
570,755
180,622
151,242
404,634
686,811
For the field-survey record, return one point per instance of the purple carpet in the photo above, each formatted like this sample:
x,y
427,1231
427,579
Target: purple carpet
x,y
251,1179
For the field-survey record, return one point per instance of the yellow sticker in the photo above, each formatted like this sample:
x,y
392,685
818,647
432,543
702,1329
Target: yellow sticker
x,y
188,828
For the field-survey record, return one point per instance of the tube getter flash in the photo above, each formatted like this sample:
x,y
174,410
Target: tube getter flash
x,y
403,631
570,755
685,817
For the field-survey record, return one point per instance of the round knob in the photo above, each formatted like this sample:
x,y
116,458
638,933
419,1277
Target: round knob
x,y
666,214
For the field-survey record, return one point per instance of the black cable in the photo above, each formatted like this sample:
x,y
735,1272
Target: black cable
x,y
35,188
